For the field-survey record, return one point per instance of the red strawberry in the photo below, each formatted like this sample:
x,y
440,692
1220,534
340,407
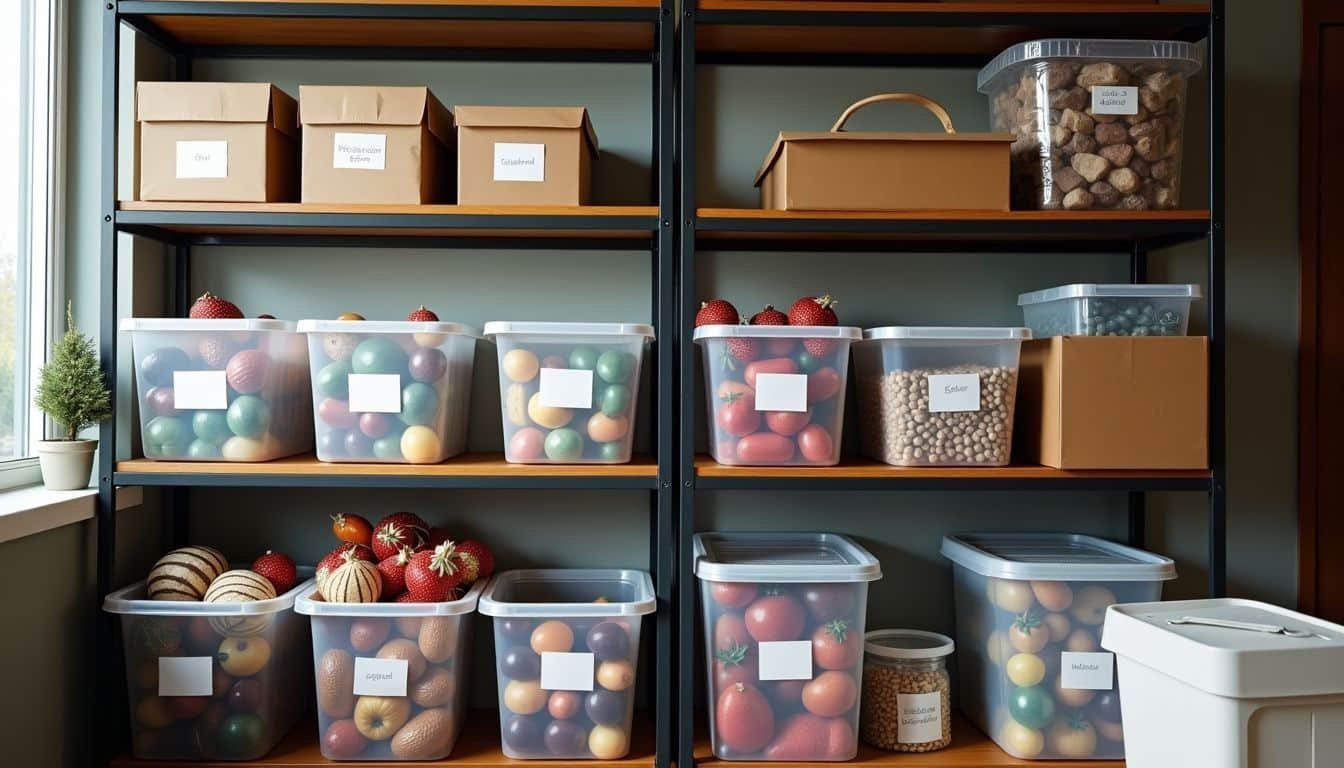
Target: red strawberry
x,y
811,310
476,559
742,348
338,556
279,569
772,316
432,574
211,307
403,529
215,351
393,570
404,597
717,312
819,348
422,315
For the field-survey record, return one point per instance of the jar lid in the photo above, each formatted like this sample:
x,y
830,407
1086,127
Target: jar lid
x,y
907,644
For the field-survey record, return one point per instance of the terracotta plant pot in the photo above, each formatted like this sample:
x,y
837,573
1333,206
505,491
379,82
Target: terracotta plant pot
x,y
66,464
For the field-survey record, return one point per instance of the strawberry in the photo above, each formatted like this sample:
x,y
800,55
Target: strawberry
x,y
393,570
717,312
404,597
476,559
211,307
402,529
811,310
279,569
819,348
742,348
422,315
432,574
215,351
772,316
339,555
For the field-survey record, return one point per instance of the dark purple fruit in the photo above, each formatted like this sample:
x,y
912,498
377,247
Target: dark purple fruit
x,y
520,663
428,364
245,696
605,707
522,733
566,738
357,445
517,630
158,366
1106,706
160,401
609,641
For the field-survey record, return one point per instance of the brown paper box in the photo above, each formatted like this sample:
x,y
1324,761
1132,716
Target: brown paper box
x,y
560,174
396,144
1087,402
257,161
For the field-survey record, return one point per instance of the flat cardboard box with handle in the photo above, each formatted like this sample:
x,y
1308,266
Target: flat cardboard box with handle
x,y
524,155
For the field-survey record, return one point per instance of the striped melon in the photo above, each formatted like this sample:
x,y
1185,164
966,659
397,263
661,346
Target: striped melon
x,y
185,573
240,586
354,581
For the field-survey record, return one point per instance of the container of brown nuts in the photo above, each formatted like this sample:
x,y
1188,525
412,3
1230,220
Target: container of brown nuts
x,y
907,696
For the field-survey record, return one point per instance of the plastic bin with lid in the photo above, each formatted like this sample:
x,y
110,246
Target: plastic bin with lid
x,y
220,390
784,620
932,396
567,655
393,673
1122,309
1029,610
775,394
390,391
1227,682
568,391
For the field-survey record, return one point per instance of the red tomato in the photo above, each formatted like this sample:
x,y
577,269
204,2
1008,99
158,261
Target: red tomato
x,y
840,744
830,694
727,450
343,740
732,594
738,415
730,631
733,666
743,719
773,365
787,695
815,443
823,384
834,646
830,601
730,387
802,737
780,347
787,422
764,447
351,528
775,617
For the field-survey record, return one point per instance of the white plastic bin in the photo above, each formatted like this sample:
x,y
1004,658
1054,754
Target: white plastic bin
x,y
221,390
567,652
774,394
212,681
784,622
390,391
568,391
1029,612
937,396
391,678
1090,309
1199,696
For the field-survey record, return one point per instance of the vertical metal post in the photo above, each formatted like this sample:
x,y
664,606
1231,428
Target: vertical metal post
x,y
176,521
1217,290
1138,273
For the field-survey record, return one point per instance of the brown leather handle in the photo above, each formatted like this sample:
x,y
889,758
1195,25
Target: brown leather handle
x,y
914,98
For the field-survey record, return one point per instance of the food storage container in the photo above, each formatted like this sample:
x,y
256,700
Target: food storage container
x,y
568,391
220,390
937,396
784,616
907,695
1122,309
1097,123
775,395
567,649
391,677
212,681
1029,607
390,391
1214,683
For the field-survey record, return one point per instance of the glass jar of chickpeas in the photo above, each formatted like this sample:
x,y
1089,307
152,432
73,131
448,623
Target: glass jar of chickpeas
x,y
907,695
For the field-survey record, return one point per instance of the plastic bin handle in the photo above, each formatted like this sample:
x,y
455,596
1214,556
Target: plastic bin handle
x,y
915,98
1247,626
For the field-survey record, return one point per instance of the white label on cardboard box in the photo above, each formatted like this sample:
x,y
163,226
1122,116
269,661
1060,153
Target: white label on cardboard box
x,y
921,717
186,676
202,159
785,659
566,388
566,671
954,392
781,392
375,392
1115,100
380,677
359,150
520,162
200,391
1087,671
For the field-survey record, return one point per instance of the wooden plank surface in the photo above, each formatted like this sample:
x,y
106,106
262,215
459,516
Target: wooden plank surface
x,y
466,465
1136,217
577,211
857,468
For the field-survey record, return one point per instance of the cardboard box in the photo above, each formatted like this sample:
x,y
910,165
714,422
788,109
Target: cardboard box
x,y
1089,402
228,142
524,155
374,144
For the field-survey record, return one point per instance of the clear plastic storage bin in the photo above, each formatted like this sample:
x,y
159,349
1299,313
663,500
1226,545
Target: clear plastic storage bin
x,y
1121,309
221,390
775,395
390,391
937,396
784,617
212,681
391,678
567,650
568,391
1098,123
1030,608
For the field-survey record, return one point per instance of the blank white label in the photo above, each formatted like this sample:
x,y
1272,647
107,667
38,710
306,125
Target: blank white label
x,y
520,162
359,150
954,392
1115,100
566,388
1087,671
786,659
375,392
200,390
202,159
566,671
380,677
185,676
921,717
781,392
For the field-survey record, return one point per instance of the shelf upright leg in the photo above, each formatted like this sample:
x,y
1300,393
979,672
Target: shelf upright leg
x,y
1138,273
1217,289
176,523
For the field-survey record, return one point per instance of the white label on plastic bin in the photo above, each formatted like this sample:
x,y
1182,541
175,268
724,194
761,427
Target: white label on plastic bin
x,y
520,162
202,159
566,388
1115,100
186,676
380,677
375,392
1087,671
200,390
781,392
954,392
359,150
566,671
921,717
786,659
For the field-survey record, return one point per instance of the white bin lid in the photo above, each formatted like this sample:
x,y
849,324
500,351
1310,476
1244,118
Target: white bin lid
x,y
501,327
132,600
1236,663
946,333
793,558
178,324
777,332
384,326
1181,56
495,601
1109,291
310,604
1054,557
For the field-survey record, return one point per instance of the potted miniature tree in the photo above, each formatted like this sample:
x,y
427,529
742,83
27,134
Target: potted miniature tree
x,y
72,391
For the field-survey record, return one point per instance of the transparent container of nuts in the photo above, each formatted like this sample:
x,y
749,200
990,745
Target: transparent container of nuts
x,y
1120,309
907,695
935,396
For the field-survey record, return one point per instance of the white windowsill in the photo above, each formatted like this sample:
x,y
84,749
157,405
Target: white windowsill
x,y
33,509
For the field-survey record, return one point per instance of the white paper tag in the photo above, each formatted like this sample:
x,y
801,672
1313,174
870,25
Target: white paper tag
x,y
200,390
1087,671
1115,100
202,159
954,392
186,676
921,717
566,671
781,392
374,392
520,162
359,150
566,388
380,677
785,659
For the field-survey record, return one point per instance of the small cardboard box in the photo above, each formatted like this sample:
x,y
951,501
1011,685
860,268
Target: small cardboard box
x,y
524,155
1089,402
374,144
225,142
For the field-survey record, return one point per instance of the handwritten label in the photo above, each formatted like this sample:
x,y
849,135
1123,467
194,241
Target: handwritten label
x,y
380,677
375,392
566,388
1115,100
520,162
200,390
921,717
566,671
954,392
359,150
1087,671
185,676
781,392
786,659
202,159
